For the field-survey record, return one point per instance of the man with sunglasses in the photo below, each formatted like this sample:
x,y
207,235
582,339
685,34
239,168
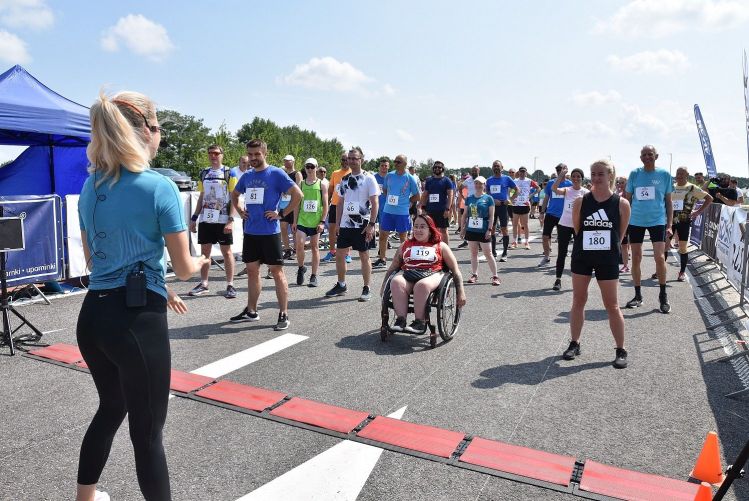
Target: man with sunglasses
x,y
213,220
400,190
437,199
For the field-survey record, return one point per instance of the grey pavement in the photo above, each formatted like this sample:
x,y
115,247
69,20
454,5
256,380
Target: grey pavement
x,y
501,378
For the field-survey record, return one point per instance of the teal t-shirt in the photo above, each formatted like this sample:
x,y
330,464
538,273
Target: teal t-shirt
x,y
127,225
478,207
649,191
400,188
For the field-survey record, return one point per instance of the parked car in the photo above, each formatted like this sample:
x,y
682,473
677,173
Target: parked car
x,y
182,180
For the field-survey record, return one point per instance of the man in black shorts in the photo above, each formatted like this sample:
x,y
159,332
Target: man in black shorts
x,y
263,186
437,198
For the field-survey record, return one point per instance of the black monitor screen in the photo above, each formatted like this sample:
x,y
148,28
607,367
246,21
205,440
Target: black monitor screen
x,y
11,233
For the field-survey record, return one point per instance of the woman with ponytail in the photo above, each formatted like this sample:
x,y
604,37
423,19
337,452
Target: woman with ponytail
x,y
127,213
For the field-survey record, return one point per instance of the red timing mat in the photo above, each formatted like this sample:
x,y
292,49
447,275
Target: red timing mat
x,y
247,397
417,437
325,416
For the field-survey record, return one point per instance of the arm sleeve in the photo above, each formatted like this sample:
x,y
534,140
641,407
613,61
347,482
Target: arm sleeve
x,y
169,209
233,180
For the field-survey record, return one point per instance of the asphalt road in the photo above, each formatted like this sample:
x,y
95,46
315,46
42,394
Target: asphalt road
x,y
501,378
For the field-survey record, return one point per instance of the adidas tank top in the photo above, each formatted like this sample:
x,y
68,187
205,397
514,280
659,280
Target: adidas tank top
x,y
598,239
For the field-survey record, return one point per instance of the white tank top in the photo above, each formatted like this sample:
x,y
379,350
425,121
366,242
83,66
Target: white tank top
x,y
569,198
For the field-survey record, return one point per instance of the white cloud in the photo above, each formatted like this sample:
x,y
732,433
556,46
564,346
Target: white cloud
x,y
595,98
664,62
667,119
139,34
659,18
329,74
13,49
404,135
33,14
501,128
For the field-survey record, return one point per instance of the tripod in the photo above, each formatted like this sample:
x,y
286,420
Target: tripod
x,y
6,335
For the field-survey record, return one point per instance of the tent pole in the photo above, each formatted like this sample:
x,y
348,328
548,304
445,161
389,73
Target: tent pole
x,y
52,166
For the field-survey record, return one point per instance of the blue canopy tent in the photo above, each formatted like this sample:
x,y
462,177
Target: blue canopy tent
x,y
56,129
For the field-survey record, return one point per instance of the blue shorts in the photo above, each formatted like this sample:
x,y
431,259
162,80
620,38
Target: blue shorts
x,y
393,222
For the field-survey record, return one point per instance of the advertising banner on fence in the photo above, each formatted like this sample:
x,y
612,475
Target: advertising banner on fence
x,y
710,229
729,245
42,258
695,233
707,150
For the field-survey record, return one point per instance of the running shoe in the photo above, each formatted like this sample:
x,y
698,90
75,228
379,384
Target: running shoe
x,y
654,276
681,276
287,254
380,263
572,351
527,246
300,275
337,290
394,236
399,325
366,295
557,284
496,280
312,281
101,496
463,245
231,292
198,290
348,258
329,257
624,269
268,275
283,322
635,302
620,362
503,258
473,279
246,316
544,261
513,245
417,327
663,299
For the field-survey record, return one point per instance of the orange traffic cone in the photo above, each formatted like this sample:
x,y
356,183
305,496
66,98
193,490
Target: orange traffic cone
x,y
704,493
708,469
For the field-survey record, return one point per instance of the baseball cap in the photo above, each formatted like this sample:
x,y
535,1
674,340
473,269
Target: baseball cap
x,y
522,169
480,179
288,157
308,161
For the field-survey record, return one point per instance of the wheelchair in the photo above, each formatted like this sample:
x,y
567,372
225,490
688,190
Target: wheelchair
x,y
444,299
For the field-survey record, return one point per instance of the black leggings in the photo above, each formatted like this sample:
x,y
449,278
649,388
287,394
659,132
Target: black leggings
x,y
127,351
564,234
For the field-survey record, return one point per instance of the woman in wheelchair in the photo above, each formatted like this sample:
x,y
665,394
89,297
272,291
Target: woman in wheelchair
x,y
422,260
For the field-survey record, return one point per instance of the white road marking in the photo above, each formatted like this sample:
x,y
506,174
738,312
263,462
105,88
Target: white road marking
x,y
248,356
337,474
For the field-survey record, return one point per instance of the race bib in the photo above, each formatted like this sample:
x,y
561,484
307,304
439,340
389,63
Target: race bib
x,y
351,207
475,223
568,205
434,198
597,240
423,253
645,193
254,196
211,215
392,199
285,197
381,187
495,189
309,206
678,204
556,195
521,200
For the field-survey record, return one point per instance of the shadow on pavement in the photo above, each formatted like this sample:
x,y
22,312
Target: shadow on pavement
x,y
397,344
532,373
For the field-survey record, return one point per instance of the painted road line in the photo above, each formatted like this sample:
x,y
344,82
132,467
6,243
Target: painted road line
x,y
337,474
248,356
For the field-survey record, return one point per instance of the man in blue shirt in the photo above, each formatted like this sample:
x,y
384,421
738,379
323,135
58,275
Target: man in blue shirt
x,y
438,198
551,211
262,187
382,171
649,191
498,186
400,190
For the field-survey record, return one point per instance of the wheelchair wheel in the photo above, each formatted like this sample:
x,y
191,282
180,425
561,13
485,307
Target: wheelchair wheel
x,y
448,313
387,313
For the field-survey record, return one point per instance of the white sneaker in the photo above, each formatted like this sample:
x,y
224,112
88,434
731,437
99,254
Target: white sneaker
x,y
101,496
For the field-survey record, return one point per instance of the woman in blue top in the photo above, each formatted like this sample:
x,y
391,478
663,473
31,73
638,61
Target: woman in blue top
x,y
475,228
126,213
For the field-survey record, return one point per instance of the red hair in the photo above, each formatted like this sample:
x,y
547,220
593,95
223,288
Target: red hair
x,y
435,236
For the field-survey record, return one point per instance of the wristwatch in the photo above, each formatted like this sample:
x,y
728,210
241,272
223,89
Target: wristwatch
x,y
231,218
194,218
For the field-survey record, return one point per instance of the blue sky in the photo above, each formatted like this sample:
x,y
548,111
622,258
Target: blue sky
x,y
468,83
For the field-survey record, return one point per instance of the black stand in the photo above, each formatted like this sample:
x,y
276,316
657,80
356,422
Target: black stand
x,y
6,335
